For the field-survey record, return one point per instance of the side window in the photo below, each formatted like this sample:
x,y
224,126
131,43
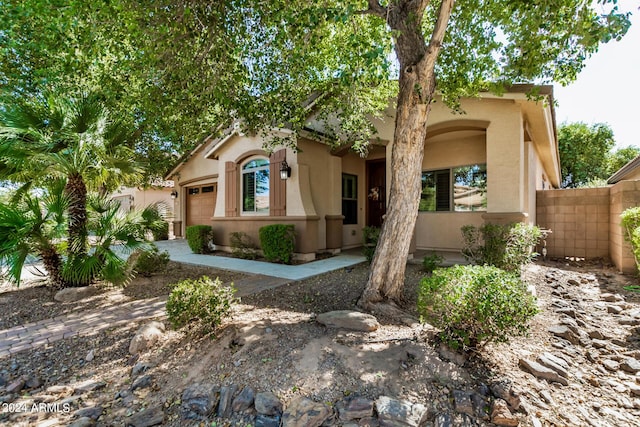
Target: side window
x,y
460,189
349,198
255,187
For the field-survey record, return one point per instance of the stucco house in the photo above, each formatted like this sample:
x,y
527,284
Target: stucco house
x,y
628,172
481,166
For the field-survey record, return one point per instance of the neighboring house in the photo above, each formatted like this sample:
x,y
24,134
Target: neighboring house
x,y
481,166
157,194
629,172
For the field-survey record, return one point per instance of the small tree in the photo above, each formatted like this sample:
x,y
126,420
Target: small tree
x,y
631,227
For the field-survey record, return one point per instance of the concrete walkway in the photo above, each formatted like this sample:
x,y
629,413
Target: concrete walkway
x,y
262,276
179,251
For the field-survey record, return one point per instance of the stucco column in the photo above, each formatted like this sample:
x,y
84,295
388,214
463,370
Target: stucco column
x,y
505,163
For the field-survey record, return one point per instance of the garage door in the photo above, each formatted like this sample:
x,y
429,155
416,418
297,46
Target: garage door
x,y
201,202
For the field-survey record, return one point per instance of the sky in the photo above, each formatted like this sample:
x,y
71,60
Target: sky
x,y
608,88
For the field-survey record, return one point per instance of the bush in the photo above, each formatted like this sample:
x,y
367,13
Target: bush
x,y
277,242
198,238
508,247
162,232
203,301
151,261
431,262
242,246
475,305
370,236
631,226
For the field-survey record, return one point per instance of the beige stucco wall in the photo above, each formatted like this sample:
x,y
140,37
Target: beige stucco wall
x,y
141,198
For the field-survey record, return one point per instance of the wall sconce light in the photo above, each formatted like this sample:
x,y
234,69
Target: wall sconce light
x,y
174,194
285,170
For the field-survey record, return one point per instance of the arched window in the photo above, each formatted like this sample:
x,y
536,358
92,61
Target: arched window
x,y
255,186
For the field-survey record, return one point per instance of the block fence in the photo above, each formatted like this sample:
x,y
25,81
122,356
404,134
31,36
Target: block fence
x,y
585,222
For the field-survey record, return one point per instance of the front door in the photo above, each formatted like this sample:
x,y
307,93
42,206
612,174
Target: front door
x,y
376,192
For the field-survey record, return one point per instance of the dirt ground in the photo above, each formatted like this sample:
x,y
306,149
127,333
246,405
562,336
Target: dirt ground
x,y
273,343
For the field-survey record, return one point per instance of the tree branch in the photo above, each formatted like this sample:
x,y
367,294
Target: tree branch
x,y
444,13
376,9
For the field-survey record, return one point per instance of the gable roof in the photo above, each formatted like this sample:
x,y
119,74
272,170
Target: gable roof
x,y
625,171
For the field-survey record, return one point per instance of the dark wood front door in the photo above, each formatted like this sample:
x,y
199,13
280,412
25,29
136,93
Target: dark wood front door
x,y
376,192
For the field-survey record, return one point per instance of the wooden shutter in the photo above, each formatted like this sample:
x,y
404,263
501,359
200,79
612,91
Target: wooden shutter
x,y
278,187
231,189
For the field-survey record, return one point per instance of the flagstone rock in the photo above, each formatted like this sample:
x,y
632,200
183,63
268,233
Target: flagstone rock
x,y
151,416
501,415
146,337
354,408
267,403
304,412
349,319
400,412
226,396
75,294
541,372
199,400
630,365
244,400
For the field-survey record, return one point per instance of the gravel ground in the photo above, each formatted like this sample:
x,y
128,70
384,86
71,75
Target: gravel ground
x,y
273,343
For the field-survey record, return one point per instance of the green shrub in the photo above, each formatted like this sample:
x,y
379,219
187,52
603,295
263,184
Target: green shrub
x,y
198,238
203,301
431,262
370,236
508,247
151,261
162,233
277,242
242,246
475,305
631,226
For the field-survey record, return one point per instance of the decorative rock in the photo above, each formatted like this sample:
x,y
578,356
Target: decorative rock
x,y
500,414
452,356
82,422
90,356
369,422
226,395
462,402
596,335
151,416
400,412
505,391
614,309
142,382
354,408
630,365
611,297
564,332
60,389
553,363
93,412
303,412
198,400
611,365
573,282
74,294
539,371
244,400
15,386
443,419
349,319
267,403
139,368
267,420
146,336
88,386
33,382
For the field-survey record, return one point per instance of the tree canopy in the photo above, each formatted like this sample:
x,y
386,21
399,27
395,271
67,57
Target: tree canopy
x,y
180,67
583,152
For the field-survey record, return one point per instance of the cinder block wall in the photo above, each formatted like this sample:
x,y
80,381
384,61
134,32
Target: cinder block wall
x,y
579,221
624,195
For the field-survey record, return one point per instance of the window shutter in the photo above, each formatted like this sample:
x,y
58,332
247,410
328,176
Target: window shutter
x,y
231,189
278,190
443,191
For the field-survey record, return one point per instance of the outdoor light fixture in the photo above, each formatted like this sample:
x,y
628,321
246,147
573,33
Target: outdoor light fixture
x,y
174,194
285,170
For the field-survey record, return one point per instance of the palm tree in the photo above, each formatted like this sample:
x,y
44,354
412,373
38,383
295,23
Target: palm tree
x,y
53,138
36,226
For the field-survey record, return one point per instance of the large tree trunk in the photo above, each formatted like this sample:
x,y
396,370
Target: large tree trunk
x,y
417,86
76,190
